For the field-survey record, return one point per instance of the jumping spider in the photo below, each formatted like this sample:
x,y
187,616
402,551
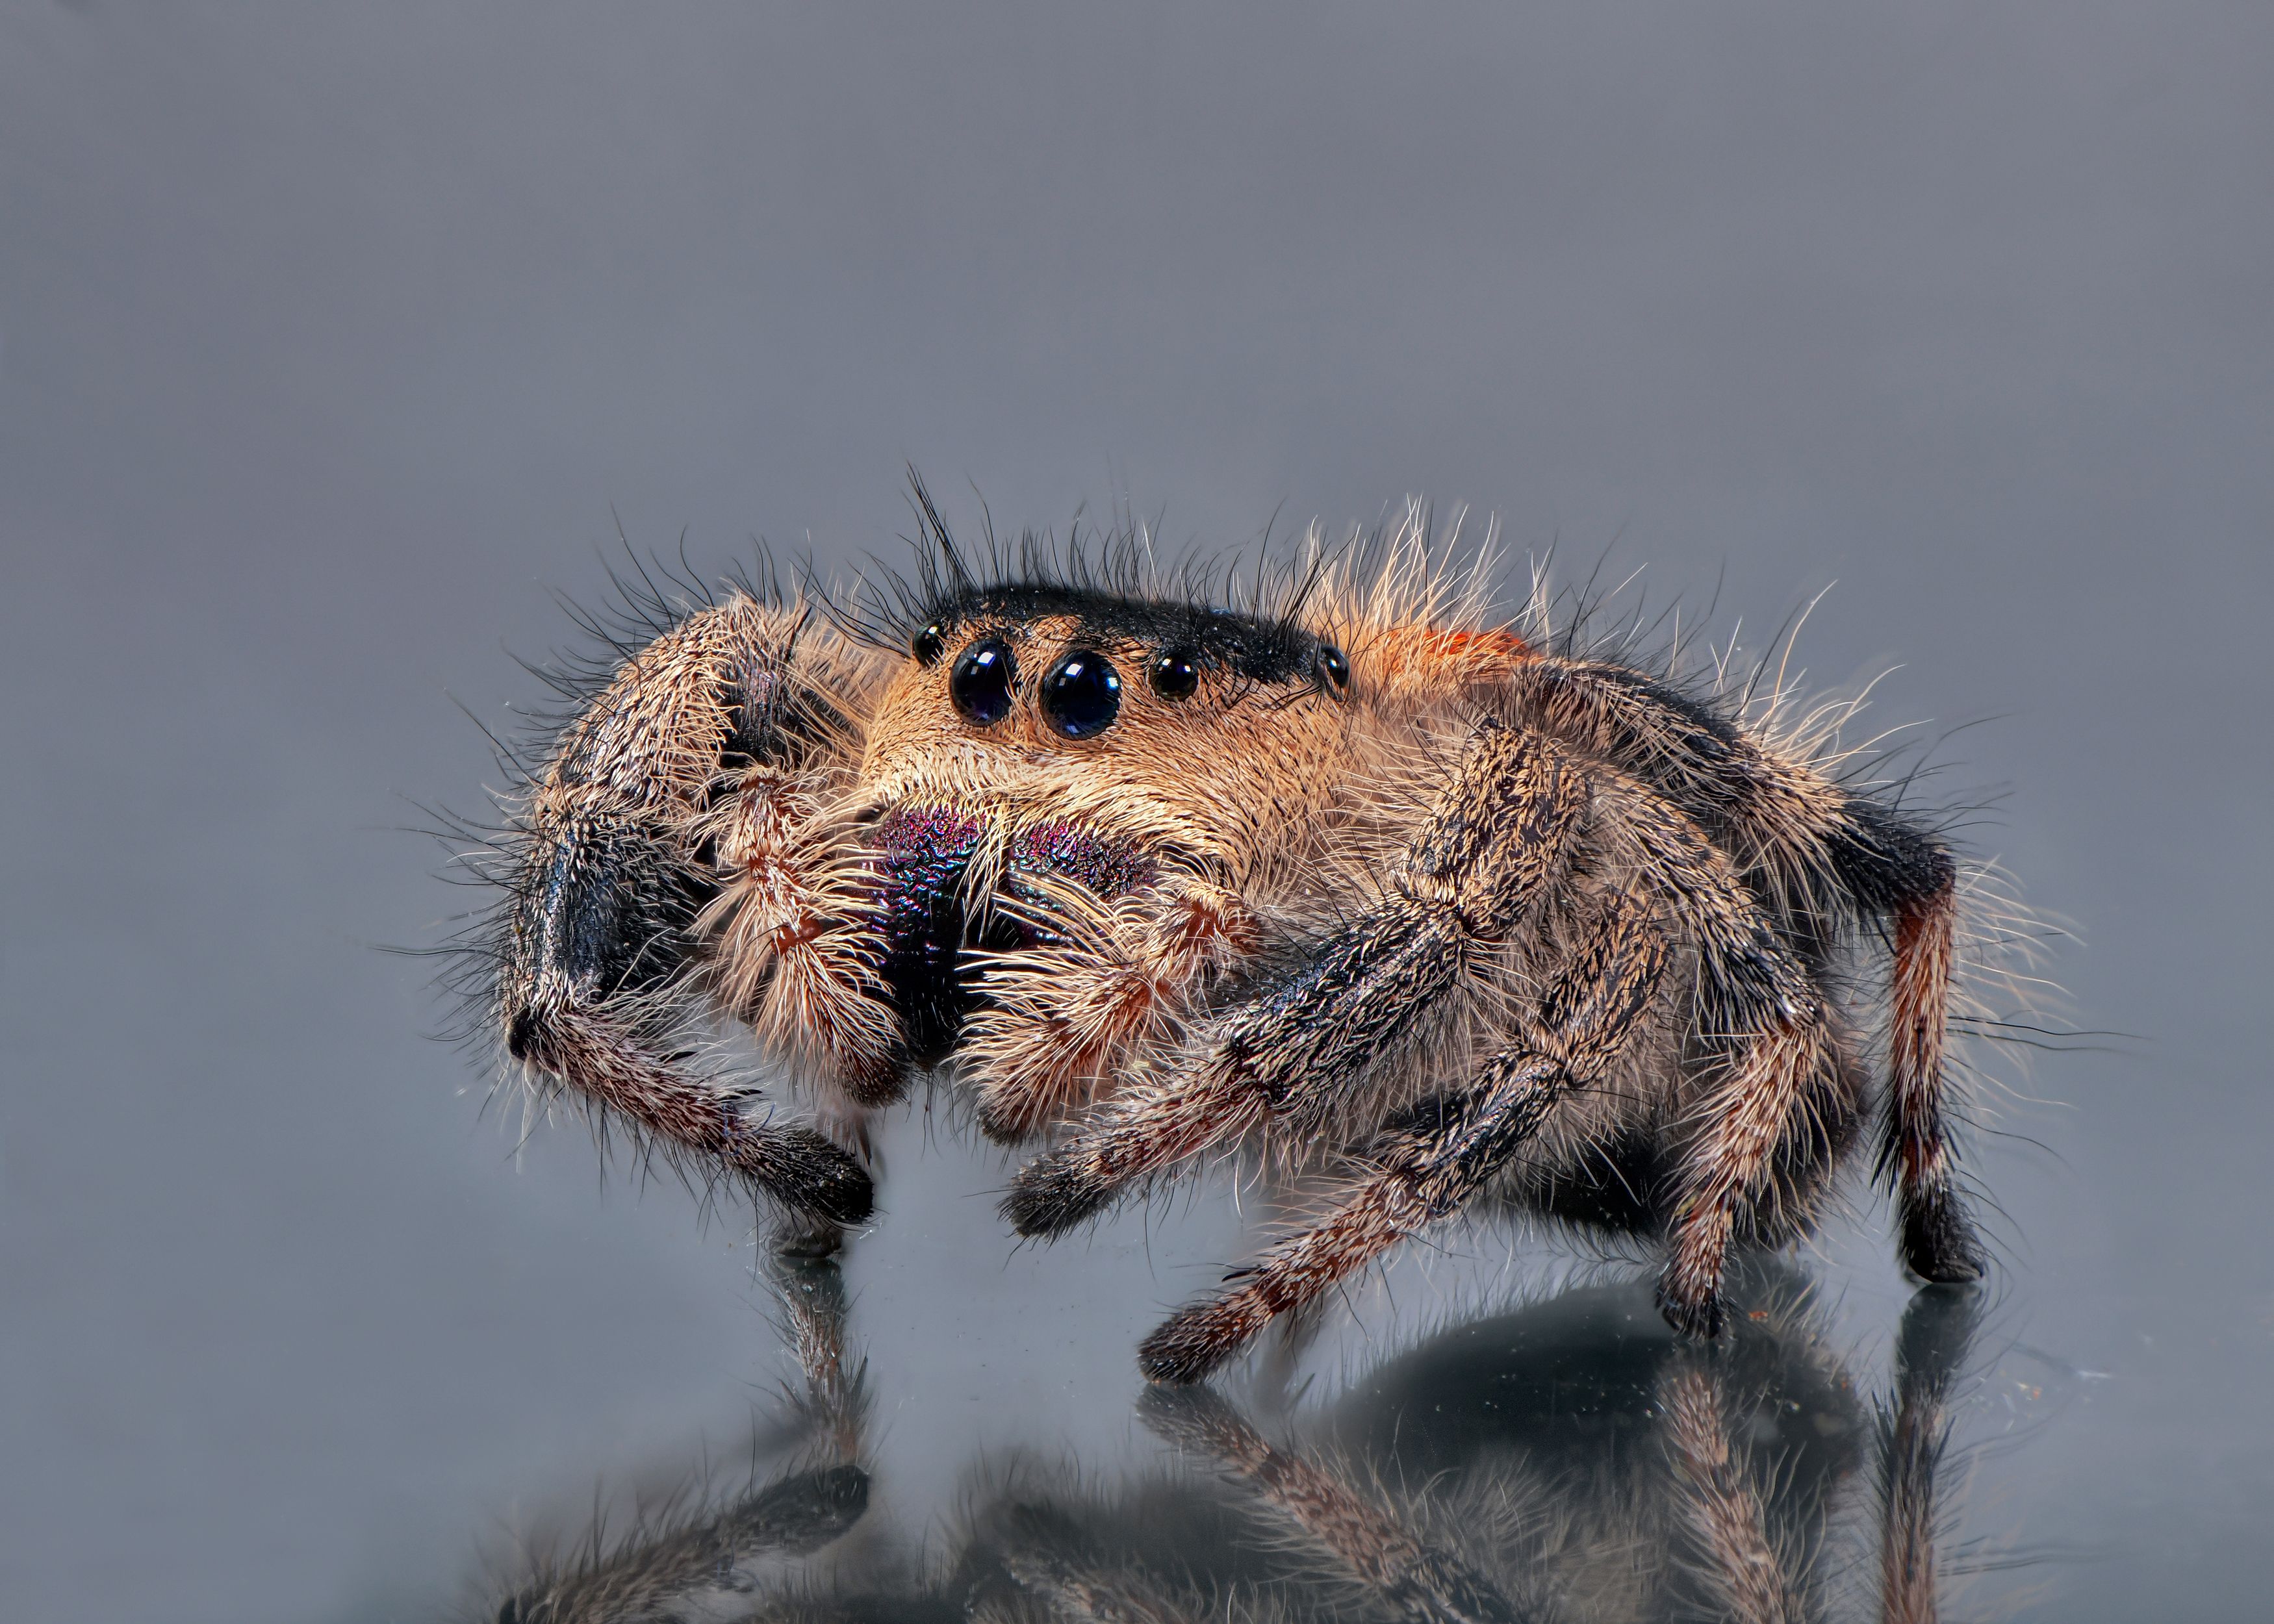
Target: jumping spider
x,y
1354,879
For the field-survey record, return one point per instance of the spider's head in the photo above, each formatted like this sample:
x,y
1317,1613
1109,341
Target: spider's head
x,y
1048,732
1164,718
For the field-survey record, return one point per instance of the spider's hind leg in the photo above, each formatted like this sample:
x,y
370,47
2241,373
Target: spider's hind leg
x,y
1818,853
1914,879
1937,1337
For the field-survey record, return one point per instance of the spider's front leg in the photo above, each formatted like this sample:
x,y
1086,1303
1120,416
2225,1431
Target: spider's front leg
x,y
1495,842
619,880
1431,1161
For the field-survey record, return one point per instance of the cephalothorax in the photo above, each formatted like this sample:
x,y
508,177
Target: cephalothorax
x,y
1357,881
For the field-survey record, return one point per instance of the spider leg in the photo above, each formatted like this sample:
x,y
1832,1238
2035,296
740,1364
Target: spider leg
x,y
1500,839
811,1292
686,1565
1769,811
1797,833
619,1067
1759,1006
1938,1242
1759,1105
686,1571
1432,1159
1418,1580
1495,842
601,963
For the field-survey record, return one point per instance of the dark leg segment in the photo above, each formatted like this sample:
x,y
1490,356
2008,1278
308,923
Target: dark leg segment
x,y
613,1067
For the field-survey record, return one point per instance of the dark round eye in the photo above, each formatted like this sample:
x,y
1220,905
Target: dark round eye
x,y
1333,666
981,681
1081,694
929,644
1175,675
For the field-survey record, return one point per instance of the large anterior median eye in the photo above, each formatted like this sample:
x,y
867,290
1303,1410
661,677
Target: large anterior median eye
x,y
1082,694
981,681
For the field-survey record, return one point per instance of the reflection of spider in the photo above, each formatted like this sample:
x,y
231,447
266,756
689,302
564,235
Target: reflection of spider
x,y
1568,1459
1352,878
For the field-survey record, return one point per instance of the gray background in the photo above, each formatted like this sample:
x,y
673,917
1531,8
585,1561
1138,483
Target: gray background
x,y
330,336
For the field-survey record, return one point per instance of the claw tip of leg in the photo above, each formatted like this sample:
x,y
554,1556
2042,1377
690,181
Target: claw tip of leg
x,y
840,1206
827,1183
1699,1317
521,1034
1939,1244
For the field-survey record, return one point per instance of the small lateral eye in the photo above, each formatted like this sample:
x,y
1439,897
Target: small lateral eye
x,y
1334,667
982,681
1175,675
1082,694
929,644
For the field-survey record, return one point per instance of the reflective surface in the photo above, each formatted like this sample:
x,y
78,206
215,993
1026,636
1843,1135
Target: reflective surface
x,y
1569,1459
329,340
1461,1437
